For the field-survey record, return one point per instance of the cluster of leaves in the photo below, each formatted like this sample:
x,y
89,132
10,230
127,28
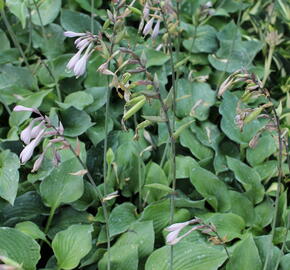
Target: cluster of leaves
x,y
54,219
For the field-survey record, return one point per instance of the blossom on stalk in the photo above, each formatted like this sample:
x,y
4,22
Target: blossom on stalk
x,y
38,129
84,42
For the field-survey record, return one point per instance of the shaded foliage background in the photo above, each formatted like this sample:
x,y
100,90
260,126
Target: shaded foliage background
x,y
53,220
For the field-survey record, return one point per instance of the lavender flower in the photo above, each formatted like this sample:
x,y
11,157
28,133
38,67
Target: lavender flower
x,y
148,27
78,62
33,135
156,30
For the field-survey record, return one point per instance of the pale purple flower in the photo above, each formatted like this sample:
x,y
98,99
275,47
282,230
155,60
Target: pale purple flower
x,y
28,150
177,226
20,108
38,163
25,135
148,27
156,30
72,62
80,66
83,43
37,129
146,11
73,34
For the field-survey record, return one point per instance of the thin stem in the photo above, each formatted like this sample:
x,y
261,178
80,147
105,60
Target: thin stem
x,y
50,61
92,16
50,218
14,38
279,180
171,129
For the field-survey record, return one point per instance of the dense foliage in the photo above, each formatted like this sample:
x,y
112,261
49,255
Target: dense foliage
x,y
120,118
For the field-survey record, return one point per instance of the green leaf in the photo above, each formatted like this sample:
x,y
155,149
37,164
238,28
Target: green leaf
x,y
192,94
187,256
67,217
48,11
78,100
19,9
228,225
27,206
137,243
77,22
264,213
249,178
154,175
265,147
242,206
5,41
285,262
245,256
228,109
159,213
155,58
234,53
189,140
71,245
62,187
211,188
19,247
203,39
184,164
9,176
30,229
121,217
99,95
160,187
75,122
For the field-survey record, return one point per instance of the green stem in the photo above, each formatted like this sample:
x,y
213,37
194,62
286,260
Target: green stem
x,y
51,71
50,218
92,16
14,38
279,181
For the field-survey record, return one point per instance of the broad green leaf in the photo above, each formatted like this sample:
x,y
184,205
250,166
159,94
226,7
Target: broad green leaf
x,y
234,53
76,21
154,175
75,122
187,256
86,4
67,217
242,206
245,256
203,39
264,213
189,140
194,94
137,243
228,125
32,101
27,206
19,247
31,229
184,164
265,246
71,245
62,187
52,46
99,95
155,58
211,188
159,213
160,187
78,100
96,133
285,262
121,217
9,176
228,225
19,9
265,147
249,178
5,41
48,10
